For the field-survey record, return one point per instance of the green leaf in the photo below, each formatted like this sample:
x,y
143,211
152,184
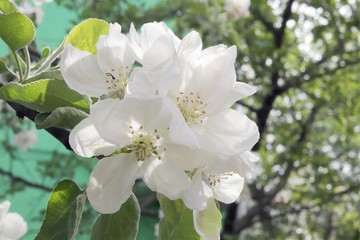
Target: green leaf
x,y
123,224
177,223
54,75
17,30
85,35
7,7
208,221
44,95
63,212
63,117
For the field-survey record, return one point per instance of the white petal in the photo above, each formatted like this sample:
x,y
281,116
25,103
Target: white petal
x,y
197,195
134,40
229,188
207,223
82,73
112,117
13,226
143,81
214,82
111,182
86,141
187,158
165,178
4,207
113,50
239,91
228,132
191,45
160,55
243,164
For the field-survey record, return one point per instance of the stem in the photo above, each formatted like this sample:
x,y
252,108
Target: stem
x,y
52,58
27,62
18,65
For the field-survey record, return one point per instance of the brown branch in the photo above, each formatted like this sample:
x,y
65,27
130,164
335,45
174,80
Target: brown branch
x,y
60,134
279,33
24,181
249,107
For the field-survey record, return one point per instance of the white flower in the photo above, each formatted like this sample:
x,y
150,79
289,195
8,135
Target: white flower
x,y
151,132
25,139
237,9
107,72
204,90
155,49
12,225
222,178
208,183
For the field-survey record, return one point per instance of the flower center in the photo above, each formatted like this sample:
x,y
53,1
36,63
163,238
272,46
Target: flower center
x,y
117,81
191,107
212,180
144,145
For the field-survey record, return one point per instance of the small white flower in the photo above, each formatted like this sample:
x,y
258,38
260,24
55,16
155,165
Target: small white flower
x,y
151,132
12,225
237,9
208,183
107,72
25,139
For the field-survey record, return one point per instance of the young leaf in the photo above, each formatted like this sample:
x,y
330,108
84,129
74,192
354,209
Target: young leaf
x,y
63,117
177,223
44,95
7,7
63,213
85,35
46,51
122,225
17,30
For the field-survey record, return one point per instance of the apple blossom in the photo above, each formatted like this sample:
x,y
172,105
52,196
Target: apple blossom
x,y
150,148
237,9
25,139
107,72
12,225
204,89
209,182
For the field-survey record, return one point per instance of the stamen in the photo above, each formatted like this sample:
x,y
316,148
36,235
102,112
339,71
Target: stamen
x,y
191,107
118,82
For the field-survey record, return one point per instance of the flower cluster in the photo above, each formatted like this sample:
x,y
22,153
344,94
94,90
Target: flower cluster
x,y
163,113
12,225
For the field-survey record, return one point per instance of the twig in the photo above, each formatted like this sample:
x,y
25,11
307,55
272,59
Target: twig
x,y
24,181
